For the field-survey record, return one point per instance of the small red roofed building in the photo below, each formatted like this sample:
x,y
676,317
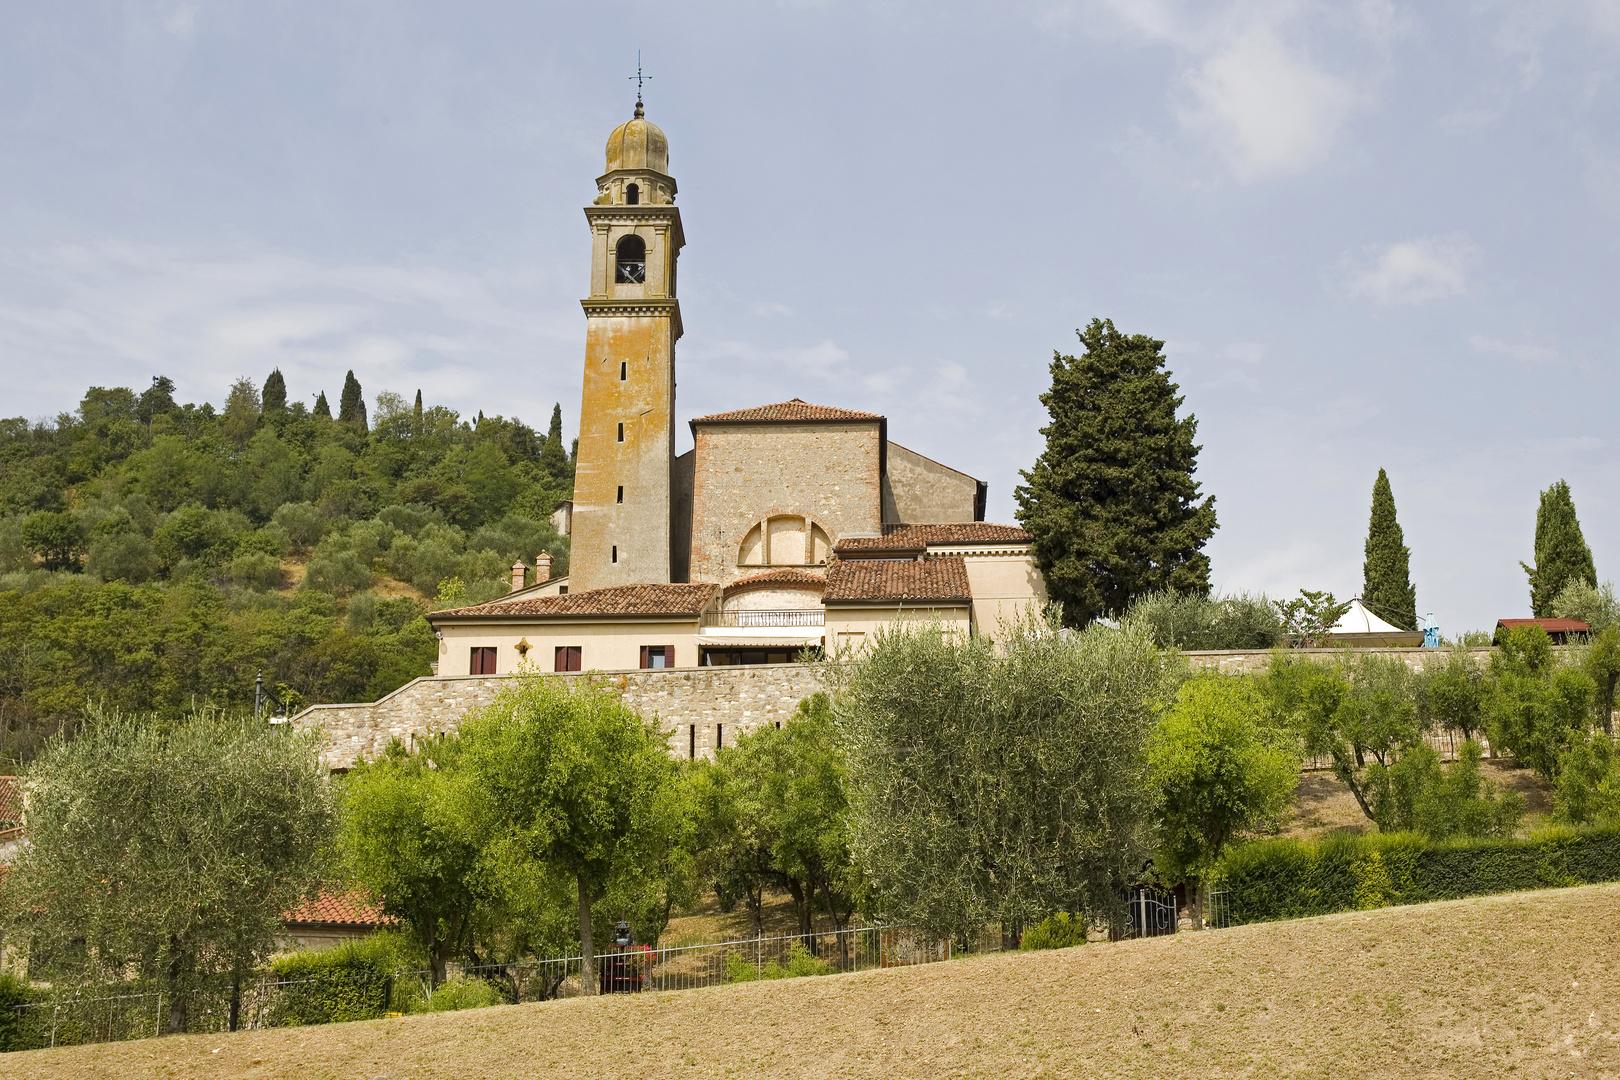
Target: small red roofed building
x,y
333,916
1562,631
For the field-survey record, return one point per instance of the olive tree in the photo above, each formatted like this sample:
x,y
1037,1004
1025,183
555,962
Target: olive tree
x,y
580,783
170,850
1001,783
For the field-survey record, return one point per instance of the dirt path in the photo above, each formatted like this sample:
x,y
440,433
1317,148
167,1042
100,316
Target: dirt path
x,y
1517,986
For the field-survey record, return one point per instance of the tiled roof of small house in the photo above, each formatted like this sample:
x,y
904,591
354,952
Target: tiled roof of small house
x,y
11,807
917,537
785,577
864,580
686,600
1552,626
786,411
339,907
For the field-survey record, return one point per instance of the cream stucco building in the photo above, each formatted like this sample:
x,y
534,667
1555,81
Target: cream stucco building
x,y
787,527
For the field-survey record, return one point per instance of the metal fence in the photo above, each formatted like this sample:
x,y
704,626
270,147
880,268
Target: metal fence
x,y
795,617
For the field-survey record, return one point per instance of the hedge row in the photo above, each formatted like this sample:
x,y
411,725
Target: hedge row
x,y
350,982
1292,879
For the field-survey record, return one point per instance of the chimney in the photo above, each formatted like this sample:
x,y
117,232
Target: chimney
x,y
517,576
542,567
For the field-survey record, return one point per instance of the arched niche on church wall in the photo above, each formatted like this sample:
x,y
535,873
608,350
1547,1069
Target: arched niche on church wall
x,y
785,540
775,599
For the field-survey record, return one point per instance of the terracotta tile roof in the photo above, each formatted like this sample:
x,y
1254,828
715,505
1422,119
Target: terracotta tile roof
x,y
917,537
786,411
1552,626
786,577
682,600
10,802
876,579
339,907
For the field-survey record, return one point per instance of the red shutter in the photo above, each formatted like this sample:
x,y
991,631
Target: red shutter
x,y
644,656
669,656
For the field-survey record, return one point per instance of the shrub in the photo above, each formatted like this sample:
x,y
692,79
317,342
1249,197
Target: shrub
x,y
14,993
255,570
1186,621
337,574
302,523
1055,932
350,982
462,992
800,963
1291,879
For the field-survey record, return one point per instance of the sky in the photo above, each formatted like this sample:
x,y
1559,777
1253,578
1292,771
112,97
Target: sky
x,y
1372,234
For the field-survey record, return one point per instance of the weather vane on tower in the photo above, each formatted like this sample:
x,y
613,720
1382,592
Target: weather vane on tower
x,y
639,78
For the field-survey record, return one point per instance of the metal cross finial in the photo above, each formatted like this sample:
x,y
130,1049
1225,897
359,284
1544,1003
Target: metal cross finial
x,y
638,77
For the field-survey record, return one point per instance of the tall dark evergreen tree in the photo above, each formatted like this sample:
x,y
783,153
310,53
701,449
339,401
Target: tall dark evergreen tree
x,y
321,407
273,398
1111,501
416,416
1561,552
155,399
1386,579
553,458
352,405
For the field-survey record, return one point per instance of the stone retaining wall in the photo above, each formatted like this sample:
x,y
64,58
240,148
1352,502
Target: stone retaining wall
x,y
693,705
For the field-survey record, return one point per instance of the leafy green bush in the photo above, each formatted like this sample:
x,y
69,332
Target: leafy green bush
x,y
462,992
1291,879
799,963
14,993
1055,932
349,982
1187,621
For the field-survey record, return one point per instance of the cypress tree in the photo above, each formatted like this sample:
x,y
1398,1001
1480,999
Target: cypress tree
x,y
273,398
321,407
1561,552
1386,580
553,458
352,405
416,416
1111,501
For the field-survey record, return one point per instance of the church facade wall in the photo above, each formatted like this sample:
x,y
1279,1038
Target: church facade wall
x,y
920,490
828,473
695,707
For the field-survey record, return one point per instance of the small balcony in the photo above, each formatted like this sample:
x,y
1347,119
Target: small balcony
x,y
739,619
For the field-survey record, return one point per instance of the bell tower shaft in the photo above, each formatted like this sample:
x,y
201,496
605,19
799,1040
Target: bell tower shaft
x,y
622,485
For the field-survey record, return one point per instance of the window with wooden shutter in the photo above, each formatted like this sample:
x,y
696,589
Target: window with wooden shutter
x,y
569,658
482,661
655,656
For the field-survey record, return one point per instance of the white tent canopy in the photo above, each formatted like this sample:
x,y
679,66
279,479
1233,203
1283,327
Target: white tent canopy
x,y
1358,620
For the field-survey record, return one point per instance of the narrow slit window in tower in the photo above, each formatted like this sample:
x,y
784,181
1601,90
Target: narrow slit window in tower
x,y
621,433
691,742
621,494
632,194
615,552
630,260
719,735
624,370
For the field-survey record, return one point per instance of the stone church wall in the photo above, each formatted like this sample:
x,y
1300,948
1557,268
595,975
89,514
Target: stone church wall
x,y
919,490
689,704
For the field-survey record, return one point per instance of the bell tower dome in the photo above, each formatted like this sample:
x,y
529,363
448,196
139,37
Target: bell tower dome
x,y
622,508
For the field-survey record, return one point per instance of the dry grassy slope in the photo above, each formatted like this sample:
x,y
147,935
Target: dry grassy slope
x,y
1515,986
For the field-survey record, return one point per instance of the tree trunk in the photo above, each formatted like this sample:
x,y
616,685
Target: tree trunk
x,y
236,1001
802,901
587,951
177,1000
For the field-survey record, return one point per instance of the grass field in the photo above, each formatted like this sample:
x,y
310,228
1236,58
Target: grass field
x,y
1525,985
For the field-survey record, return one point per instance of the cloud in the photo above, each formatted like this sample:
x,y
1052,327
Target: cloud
x,y
1415,272
1524,354
1264,106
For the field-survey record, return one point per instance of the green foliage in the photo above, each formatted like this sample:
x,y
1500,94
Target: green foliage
x,y
1420,794
1386,578
572,779
463,992
273,400
1059,931
1111,501
1595,605
1562,556
1311,615
1291,879
14,996
773,809
1000,782
1454,694
1537,706
55,538
800,963
169,850
1220,767
1588,787
332,986
1191,621
352,403
1600,660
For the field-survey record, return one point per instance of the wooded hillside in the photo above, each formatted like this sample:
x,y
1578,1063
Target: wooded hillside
x,y
153,554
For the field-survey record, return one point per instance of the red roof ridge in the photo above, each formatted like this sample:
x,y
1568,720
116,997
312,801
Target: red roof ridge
x,y
782,575
904,537
687,599
878,580
335,905
790,411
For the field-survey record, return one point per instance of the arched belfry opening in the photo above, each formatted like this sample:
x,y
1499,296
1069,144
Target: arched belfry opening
x,y
630,260
632,194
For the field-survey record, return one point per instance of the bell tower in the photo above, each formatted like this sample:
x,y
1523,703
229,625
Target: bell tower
x,y
622,504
